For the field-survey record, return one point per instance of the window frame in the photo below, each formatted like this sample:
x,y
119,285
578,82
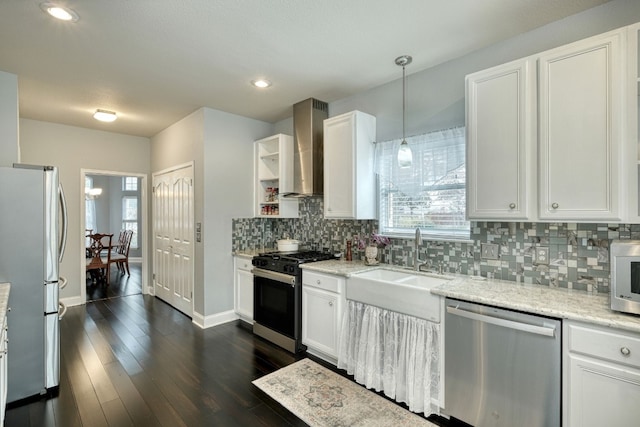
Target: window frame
x,y
388,175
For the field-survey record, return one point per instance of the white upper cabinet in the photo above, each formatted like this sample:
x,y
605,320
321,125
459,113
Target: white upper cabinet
x,y
349,180
499,156
581,129
273,177
550,152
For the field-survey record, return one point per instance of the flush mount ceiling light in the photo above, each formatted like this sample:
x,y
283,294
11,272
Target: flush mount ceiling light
x,y
405,157
261,83
92,193
105,115
60,12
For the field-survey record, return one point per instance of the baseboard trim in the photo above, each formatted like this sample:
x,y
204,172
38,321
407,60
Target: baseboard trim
x,y
205,322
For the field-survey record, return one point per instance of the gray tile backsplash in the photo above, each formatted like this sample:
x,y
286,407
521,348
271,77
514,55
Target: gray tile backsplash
x,y
578,253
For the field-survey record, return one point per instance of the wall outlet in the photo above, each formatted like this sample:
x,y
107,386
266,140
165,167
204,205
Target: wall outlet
x,y
489,251
542,255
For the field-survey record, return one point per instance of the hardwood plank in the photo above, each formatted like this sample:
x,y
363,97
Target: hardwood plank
x,y
161,407
140,412
64,405
102,386
116,413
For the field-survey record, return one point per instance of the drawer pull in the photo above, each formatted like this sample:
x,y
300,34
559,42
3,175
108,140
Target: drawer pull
x,y
625,351
318,282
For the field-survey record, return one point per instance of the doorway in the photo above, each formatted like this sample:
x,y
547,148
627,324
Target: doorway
x,y
116,201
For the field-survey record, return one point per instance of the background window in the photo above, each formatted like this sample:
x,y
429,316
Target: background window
x,y
129,183
130,217
430,194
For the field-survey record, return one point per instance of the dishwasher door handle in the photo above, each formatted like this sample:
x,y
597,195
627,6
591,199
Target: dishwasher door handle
x,y
549,331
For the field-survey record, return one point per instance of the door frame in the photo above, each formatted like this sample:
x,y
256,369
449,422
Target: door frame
x,y
144,219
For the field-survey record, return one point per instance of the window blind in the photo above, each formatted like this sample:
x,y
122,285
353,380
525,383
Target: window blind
x,y
430,194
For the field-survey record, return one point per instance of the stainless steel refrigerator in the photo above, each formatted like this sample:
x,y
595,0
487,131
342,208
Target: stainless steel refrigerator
x,y
33,230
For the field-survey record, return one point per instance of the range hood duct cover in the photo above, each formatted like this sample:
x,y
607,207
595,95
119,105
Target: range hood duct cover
x,y
308,160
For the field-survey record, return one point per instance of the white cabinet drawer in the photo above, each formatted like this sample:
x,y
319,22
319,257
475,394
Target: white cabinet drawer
x,y
613,345
243,263
323,281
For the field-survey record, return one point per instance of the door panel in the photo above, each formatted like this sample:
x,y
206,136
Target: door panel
x,y
173,198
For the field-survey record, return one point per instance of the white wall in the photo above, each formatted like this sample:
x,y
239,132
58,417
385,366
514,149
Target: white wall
x,y
228,183
9,151
72,149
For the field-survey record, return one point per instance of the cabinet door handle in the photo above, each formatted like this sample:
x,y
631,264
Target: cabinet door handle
x,y
625,351
512,205
318,282
330,303
555,205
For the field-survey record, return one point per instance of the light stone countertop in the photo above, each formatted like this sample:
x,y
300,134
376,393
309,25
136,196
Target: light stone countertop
x,y
250,253
544,300
4,301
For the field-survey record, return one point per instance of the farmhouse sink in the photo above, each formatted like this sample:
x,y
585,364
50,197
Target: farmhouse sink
x,y
399,291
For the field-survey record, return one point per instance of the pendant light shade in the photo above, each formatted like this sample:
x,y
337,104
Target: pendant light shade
x,y
405,157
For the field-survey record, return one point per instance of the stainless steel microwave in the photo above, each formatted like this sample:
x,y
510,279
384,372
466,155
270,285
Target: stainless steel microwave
x,y
625,276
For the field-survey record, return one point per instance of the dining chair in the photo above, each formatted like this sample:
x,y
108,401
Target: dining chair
x,y
99,251
121,258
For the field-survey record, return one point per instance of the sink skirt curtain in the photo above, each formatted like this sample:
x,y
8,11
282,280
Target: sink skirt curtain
x,y
391,352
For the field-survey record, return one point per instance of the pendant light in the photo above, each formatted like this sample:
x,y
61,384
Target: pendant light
x,y
405,157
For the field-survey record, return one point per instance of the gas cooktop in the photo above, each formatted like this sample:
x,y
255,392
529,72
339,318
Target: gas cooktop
x,y
288,262
300,256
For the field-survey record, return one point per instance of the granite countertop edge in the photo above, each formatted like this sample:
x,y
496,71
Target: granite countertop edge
x,y
4,301
562,303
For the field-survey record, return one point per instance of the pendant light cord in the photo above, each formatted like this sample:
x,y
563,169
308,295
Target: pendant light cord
x,y
404,104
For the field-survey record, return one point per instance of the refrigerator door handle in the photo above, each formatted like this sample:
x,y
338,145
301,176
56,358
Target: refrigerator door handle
x,y
62,282
62,311
63,234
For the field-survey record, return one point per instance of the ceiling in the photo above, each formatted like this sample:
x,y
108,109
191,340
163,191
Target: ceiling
x,y
156,61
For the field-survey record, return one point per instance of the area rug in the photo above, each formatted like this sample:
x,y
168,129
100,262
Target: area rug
x,y
322,398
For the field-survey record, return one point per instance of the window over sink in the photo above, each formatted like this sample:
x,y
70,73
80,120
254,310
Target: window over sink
x,y
429,195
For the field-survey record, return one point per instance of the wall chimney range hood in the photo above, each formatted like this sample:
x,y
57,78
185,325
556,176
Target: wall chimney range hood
x,y
308,156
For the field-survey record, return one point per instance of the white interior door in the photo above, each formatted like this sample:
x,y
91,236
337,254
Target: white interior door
x,y
173,267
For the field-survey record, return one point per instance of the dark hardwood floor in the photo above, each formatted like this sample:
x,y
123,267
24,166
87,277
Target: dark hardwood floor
x,y
135,361
120,284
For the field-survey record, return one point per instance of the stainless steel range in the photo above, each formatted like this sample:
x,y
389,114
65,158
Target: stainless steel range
x,y
277,296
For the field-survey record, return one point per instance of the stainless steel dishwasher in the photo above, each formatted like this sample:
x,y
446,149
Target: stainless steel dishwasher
x,y
502,367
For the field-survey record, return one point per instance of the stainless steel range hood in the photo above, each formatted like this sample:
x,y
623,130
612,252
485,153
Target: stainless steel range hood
x,y
308,160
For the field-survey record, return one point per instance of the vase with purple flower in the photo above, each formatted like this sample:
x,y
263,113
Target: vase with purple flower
x,y
371,246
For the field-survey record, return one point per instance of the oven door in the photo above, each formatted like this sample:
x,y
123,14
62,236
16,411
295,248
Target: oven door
x,y
274,301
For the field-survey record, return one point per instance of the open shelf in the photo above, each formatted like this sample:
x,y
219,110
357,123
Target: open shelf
x,y
274,175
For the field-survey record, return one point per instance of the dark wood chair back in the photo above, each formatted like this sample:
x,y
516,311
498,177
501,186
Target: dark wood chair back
x,y
99,253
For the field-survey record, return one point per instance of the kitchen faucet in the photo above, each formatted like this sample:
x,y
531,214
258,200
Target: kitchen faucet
x,y
417,262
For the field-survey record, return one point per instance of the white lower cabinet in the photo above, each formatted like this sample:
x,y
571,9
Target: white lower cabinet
x,y
243,287
601,376
323,299
3,370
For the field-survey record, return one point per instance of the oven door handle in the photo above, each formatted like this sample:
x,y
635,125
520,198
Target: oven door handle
x,y
278,277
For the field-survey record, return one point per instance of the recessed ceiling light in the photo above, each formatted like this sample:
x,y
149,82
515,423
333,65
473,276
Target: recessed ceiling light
x,y
60,12
105,115
261,83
